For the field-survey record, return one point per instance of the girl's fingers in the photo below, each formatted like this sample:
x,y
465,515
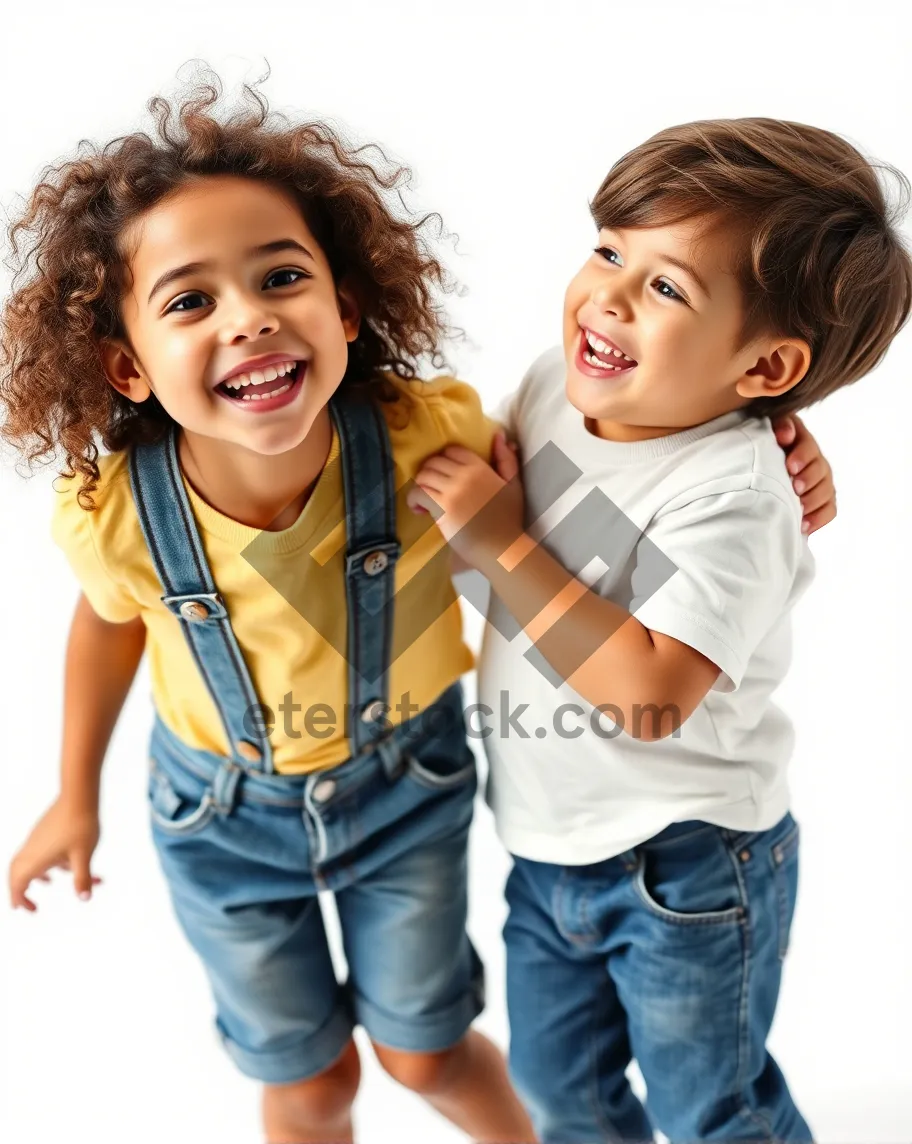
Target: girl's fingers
x,y
818,519
784,428
811,475
816,498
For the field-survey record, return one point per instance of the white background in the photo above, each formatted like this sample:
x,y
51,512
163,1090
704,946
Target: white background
x,y
510,114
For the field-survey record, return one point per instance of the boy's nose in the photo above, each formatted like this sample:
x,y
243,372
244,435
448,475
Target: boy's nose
x,y
610,299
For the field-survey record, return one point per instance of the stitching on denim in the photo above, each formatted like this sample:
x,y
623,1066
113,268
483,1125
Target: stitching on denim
x,y
750,1115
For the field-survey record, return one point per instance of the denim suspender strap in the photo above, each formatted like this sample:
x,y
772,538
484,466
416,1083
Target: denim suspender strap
x,y
177,553
370,564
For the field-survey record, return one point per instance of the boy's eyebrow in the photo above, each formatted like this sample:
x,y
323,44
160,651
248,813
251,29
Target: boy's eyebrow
x,y
176,272
688,269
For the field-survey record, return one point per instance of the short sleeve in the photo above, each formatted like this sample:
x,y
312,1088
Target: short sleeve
x,y
739,556
504,413
460,419
73,532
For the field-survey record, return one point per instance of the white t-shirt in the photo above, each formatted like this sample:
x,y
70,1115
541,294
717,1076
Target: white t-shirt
x,y
701,535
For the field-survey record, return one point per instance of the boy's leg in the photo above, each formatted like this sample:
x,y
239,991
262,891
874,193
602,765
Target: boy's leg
x,y
700,980
569,1049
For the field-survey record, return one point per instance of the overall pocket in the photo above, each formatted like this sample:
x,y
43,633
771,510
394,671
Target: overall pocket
x,y
179,807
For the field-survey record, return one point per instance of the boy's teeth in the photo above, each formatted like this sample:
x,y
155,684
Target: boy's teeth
x,y
604,348
591,359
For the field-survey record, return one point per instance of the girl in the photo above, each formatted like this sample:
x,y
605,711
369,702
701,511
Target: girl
x,y
234,310
237,313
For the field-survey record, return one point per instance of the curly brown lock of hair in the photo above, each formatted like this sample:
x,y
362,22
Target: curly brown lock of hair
x,y
820,257
69,272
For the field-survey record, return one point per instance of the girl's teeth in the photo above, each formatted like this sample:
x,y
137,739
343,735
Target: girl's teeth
x,y
263,396
258,376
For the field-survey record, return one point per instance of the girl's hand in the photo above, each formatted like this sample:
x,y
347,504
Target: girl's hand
x,y
477,507
812,477
65,837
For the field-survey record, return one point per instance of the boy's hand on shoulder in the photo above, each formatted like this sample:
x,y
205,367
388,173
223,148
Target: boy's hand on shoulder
x,y
477,507
64,838
812,477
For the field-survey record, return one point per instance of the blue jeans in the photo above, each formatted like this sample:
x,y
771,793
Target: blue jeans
x,y
670,954
244,876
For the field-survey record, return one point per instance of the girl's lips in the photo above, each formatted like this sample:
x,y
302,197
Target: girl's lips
x,y
282,396
599,373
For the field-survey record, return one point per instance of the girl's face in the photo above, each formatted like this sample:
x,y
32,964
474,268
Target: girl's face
x,y
233,319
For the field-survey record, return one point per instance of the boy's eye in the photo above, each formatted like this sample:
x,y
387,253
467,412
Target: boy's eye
x,y
608,254
668,291
285,277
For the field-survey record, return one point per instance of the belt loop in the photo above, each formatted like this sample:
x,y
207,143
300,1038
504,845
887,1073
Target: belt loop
x,y
392,756
224,786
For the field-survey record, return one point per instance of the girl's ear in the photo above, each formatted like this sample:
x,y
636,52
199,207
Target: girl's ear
x,y
349,308
123,371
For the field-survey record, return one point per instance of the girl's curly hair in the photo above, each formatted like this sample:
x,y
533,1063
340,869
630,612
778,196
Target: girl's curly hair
x,y
69,271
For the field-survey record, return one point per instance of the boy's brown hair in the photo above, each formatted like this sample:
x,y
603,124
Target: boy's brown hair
x,y
821,257
69,271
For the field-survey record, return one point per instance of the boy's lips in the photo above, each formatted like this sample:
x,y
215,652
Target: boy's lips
x,y
598,357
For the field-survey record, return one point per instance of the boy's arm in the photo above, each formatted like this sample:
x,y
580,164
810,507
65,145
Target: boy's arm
x,y
632,671
101,663
733,558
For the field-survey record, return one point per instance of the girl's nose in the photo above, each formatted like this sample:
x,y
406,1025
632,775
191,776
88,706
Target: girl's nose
x,y
249,319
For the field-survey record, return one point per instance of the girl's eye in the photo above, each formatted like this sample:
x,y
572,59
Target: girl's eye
x,y
608,254
183,304
286,277
668,291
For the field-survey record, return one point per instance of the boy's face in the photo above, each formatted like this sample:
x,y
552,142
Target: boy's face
x,y
227,276
651,327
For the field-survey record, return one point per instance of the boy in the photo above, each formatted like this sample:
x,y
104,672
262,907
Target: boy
x,y
743,268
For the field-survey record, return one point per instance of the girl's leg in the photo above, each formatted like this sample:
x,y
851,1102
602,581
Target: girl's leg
x,y
314,1111
467,1084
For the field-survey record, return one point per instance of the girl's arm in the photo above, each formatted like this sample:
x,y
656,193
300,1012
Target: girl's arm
x,y
101,663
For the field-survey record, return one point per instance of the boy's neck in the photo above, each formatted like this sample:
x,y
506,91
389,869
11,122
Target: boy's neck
x,y
622,432
259,491
616,431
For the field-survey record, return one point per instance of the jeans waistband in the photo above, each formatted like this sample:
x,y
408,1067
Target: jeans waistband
x,y
388,754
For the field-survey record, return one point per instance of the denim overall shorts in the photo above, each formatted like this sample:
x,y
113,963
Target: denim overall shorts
x,y
245,850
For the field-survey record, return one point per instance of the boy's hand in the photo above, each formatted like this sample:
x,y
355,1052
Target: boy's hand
x,y
478,508
65,837
812,477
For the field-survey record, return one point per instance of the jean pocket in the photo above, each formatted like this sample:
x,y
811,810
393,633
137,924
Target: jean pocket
x,y
784,858
690,881
182,812
438,771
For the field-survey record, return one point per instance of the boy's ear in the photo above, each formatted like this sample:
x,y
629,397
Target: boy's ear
x,y
123,371
777,370
349,308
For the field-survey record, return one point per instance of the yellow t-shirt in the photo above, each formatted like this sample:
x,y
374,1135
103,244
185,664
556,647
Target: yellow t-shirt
x,y
271,580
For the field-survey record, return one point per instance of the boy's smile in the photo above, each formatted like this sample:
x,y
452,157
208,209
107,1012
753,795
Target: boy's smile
x,y
651,333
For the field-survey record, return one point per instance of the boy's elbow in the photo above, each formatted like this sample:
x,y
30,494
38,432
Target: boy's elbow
x,y
649,722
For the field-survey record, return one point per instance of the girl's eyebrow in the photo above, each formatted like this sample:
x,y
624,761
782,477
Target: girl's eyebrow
x,y
275,247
